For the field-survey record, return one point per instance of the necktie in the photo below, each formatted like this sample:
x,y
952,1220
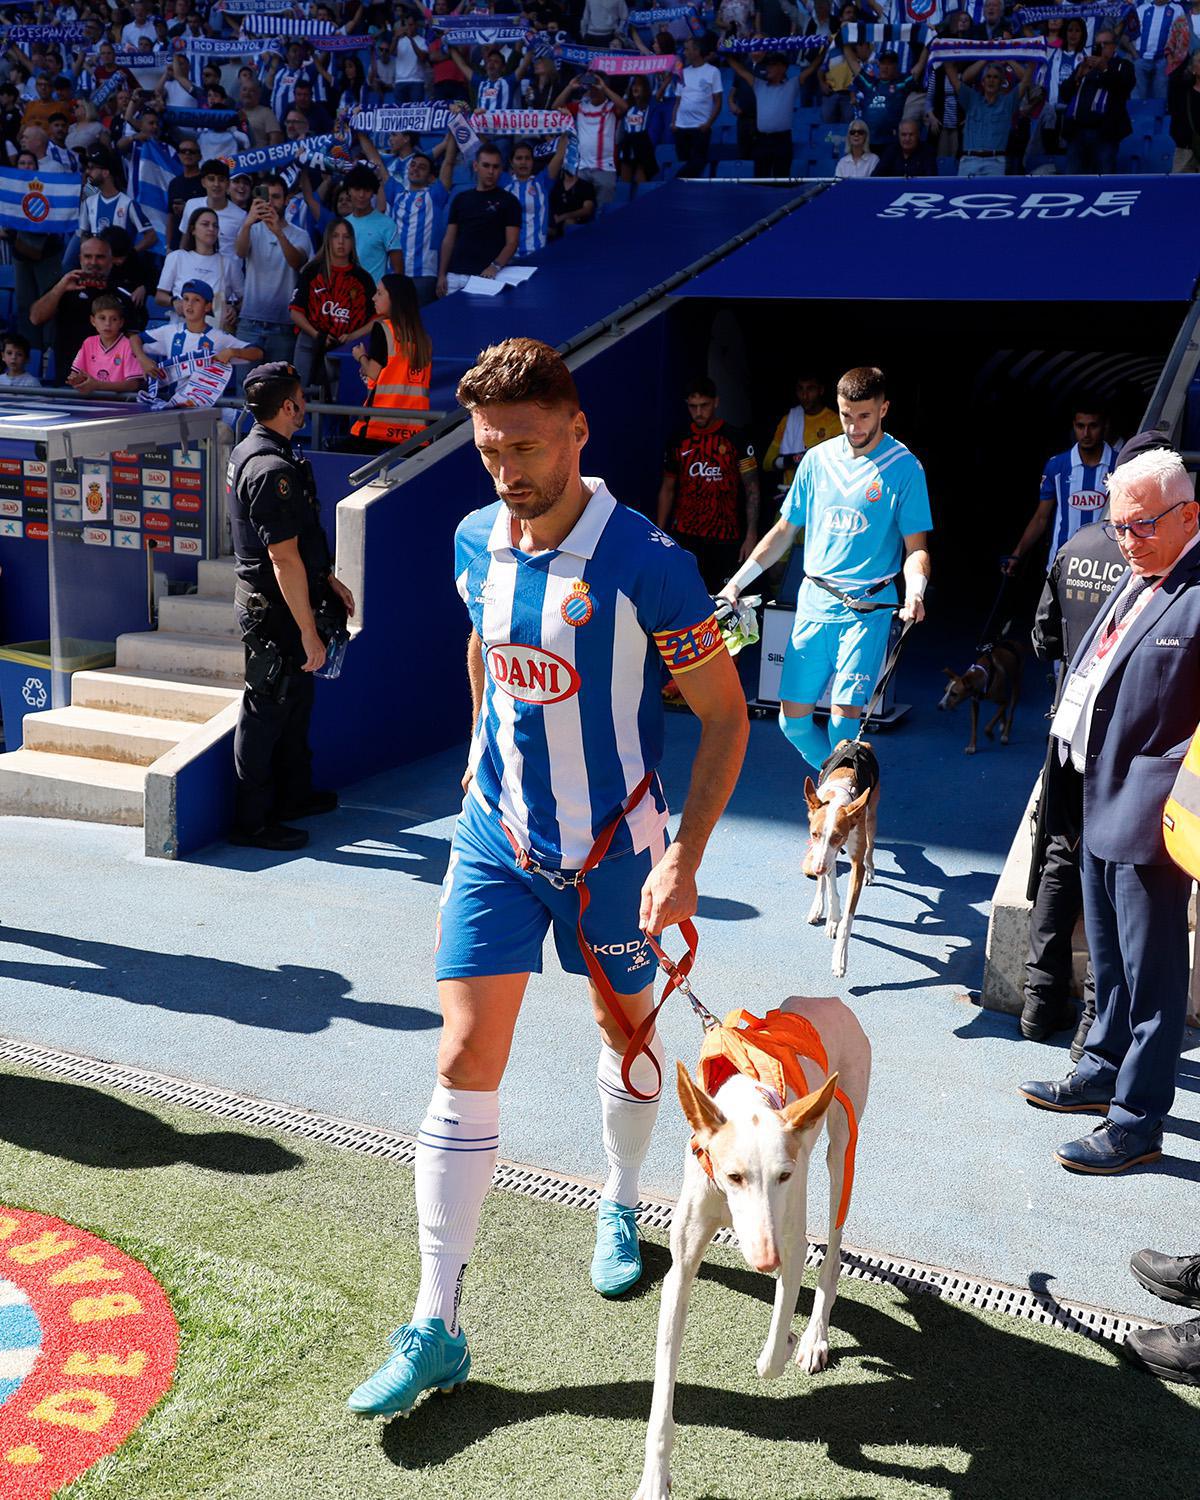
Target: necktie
x,y
1131,598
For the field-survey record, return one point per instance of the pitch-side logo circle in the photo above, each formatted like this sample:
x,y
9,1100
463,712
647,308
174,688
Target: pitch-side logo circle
x,y
88,1344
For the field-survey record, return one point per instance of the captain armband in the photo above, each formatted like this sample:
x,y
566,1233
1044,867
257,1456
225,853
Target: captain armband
x,y
688,648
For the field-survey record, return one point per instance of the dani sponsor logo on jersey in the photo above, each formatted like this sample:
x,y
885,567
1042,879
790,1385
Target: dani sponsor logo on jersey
x,y
842,520
1088,500
530,674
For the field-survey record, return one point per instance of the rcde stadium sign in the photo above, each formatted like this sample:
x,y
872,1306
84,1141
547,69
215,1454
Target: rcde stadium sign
x,y
1110,204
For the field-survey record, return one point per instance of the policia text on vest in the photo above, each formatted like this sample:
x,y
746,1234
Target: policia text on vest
x,y
288,607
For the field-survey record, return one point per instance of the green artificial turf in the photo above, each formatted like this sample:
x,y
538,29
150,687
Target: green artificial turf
x,y
287,1265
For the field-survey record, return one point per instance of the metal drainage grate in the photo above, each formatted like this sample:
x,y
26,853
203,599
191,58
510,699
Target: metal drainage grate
x,y
549,1187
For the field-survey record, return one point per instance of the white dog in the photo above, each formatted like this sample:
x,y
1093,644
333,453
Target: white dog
x,y
757,1145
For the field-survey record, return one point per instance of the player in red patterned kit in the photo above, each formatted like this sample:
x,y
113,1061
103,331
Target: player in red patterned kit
x,y
705,473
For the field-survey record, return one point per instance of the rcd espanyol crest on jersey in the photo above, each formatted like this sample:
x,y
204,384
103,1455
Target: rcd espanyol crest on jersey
x,y
577,607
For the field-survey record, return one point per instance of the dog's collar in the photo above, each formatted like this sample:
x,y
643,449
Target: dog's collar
x,y
987,674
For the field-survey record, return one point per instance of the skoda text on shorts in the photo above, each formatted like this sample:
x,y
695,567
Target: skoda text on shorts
x,y
862,502
576,603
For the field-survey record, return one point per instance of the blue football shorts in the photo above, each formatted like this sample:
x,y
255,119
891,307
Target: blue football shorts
x,y
846,655
494,916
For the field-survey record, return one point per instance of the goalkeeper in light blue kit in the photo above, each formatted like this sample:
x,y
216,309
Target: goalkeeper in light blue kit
x,y
864,507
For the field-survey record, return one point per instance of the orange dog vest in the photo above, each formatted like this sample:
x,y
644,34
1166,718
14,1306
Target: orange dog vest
x,y
768,1051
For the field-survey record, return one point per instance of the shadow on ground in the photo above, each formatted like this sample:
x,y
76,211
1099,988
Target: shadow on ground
x,y
291,998
971,1394
96,1129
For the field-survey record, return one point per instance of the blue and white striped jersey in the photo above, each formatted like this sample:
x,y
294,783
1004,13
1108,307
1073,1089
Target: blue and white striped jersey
x,y
420,215
1154,26
856,512
574,643
1079,491
533,194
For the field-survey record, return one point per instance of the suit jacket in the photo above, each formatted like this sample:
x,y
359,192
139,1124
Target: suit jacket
x,y
1143,720
1103,102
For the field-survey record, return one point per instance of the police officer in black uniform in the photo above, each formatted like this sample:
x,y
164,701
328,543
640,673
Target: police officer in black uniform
x,y
1085,571
288,606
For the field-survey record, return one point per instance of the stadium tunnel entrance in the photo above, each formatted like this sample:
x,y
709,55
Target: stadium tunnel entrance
x,y
984,394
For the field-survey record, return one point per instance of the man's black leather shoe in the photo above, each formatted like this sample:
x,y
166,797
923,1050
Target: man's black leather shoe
x,y
1169,1353
1042,1018
312,806
1068,1096
272,836
1174,1278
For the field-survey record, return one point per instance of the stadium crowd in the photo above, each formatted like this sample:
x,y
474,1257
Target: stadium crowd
x,y
280,163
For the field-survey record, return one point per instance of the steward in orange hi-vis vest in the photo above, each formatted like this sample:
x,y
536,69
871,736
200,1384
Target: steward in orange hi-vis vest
x,y
1181,815
398,386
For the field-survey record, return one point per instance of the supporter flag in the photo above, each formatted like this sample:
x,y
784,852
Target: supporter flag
x,y
39,202
927,12
150,176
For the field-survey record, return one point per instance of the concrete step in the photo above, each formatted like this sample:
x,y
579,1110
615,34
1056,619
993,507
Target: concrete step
x,y
35,784
97,734
211,657
159,695
196,614
215,578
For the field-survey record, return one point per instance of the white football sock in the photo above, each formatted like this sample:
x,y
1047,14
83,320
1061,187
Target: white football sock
x,y
456,1154
628,1122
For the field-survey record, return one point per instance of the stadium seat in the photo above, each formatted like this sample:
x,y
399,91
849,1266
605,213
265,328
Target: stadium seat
x,y
1146,115
1160,157
1131,154
947,166
735,169
8,293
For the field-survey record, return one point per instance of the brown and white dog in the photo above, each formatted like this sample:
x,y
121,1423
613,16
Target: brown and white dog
x,y
842,811
758,1150
993,677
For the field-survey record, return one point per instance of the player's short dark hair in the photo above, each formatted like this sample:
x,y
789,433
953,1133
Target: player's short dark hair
x,y
1090,402
888,57
863,383
701,385
106,302
489,148
18,340
518,370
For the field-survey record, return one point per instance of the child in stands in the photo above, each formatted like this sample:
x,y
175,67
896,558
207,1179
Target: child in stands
x,y
106,363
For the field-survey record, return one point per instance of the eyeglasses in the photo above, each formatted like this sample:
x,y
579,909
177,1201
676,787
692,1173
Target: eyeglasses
x,y
1144,528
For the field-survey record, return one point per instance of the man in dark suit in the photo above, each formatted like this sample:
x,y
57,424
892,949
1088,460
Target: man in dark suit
x,y
1125,719
907,156
1097,97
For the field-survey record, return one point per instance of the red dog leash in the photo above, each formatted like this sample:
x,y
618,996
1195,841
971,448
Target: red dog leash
x,y
677,973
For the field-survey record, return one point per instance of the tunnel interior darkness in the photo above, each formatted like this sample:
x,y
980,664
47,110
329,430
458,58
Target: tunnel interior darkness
x,y
982,392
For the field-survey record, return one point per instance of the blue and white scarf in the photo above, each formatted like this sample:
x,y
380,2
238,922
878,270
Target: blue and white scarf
x,y
802,46
16,35
255,7
265,25
1036,15
200,119
1030,49
420,119
461,36
879,35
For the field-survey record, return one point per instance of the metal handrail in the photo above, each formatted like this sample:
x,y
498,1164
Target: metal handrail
x,y
227,403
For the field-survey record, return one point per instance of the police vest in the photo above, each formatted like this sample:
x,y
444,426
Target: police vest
x,y
398,386
1087,567
1181,815
263,449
